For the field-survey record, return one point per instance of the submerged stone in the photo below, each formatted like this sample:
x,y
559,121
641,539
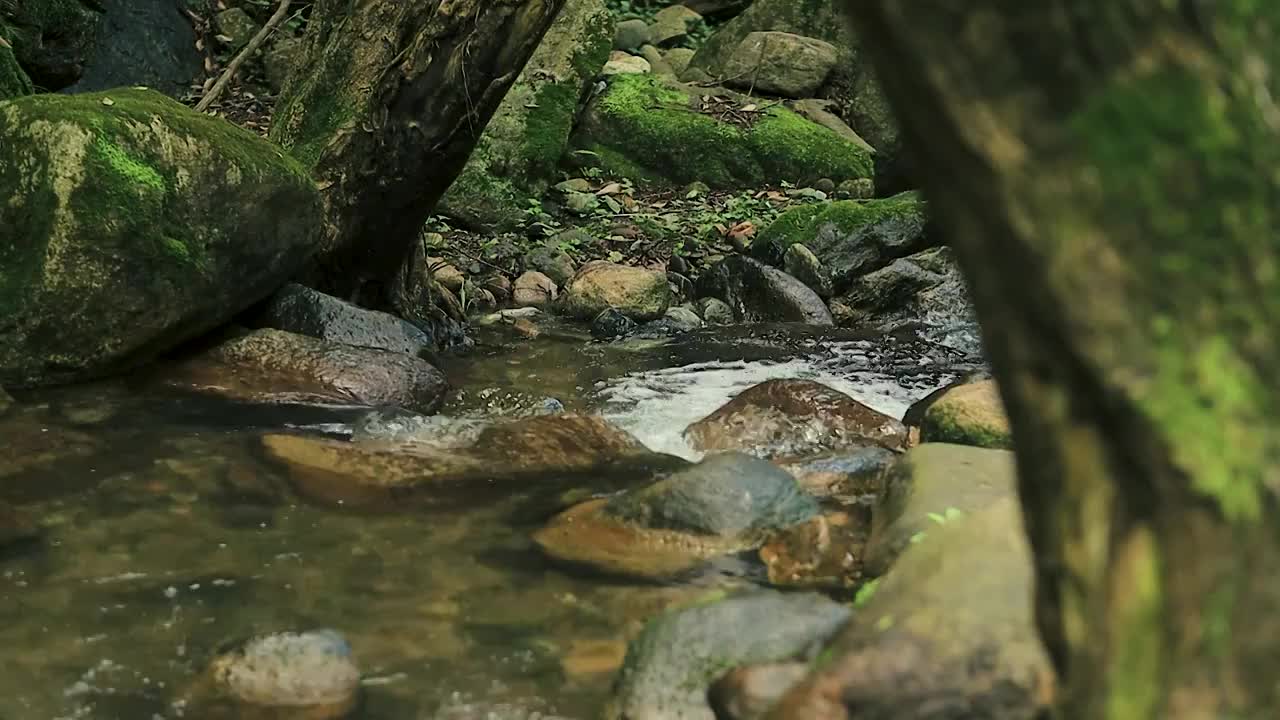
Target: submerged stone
x,y
286,676
120,243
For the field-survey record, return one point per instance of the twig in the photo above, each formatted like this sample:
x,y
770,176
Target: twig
x,y
281,11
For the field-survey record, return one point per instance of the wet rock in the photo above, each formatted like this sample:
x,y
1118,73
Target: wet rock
x,y
748,692
928,487
779,63
964,414
781,418
670,666
759,293
728,494
948,633
653,131
509,316
621,63
630,34
682,288
291,676
396,474
824,552
801,263
849,238
534,289
272,366
638,293
279,61
715,311
526,328
682,319
850,474
144,261
517,156
301,310
553,262
235,27
612,324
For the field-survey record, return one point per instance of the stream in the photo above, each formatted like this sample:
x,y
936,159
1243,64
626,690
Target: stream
x,y
167,535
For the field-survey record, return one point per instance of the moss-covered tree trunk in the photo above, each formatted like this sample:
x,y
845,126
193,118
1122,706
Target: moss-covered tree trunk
x,y
391,99
1108,171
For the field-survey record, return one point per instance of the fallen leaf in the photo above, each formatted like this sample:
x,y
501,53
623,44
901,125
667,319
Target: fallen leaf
x,y
108,101
612,188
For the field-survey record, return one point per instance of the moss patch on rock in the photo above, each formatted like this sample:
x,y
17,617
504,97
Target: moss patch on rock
x,y
133,224
970,414
520,150
652,132
13,80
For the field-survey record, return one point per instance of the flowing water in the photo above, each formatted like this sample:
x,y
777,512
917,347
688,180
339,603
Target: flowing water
x,y
167,535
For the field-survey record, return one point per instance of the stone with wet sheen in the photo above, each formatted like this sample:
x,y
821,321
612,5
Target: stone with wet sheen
x,y
273,366
304,311
780,418
678,656
759,293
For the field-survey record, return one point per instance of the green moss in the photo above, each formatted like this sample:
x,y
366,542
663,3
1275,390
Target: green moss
x,y
131,170
941,425
1136,685
801,224
547,128
316,107
13,81
656,128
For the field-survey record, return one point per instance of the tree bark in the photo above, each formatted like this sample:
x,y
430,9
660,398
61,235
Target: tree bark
x,y
1107,170
392,99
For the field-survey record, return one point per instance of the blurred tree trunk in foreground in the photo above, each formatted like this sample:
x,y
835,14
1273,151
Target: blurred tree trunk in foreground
x,y
390,99
1109,171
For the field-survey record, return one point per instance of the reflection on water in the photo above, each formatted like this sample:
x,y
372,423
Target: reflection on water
x,y
166,535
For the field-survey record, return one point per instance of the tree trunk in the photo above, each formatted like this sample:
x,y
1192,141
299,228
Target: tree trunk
x,y
1108,172
392,98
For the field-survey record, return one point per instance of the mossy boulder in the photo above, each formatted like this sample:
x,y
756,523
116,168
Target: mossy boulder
x,y
853,86
132,225
655,132
948,633
850,237
965,414
517,156
636,293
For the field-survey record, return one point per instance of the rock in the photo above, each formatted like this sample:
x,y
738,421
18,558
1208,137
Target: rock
x,y
715,311
672,663
850,475
533,289
682,319
856,189
667,34
147,254
574,185
519,153
621,63
481,299
638,293
142,43
499,285
728,495
654,132
272,366
759,293
509,316
52,39
825,552
697,188
677,13
800,262
779,63
849,238
930,485
398,475
630,34
965,414
279,61
948,633
825,185
725,504
682,288
526,328
789,418
678,60
447,275
852,87
657,63
748,692
301,310
581,203
302,676
611,324
819,112
235,27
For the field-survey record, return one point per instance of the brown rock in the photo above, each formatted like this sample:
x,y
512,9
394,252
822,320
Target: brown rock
x,y
499,285
447,275
849,475
274,367
825,552
747,693
533,289
525,327
638,293
781,418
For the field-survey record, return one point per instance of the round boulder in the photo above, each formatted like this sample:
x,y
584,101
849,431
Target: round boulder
x,y
638,293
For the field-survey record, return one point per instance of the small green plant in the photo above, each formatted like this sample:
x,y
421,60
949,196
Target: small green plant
x,y
865,593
